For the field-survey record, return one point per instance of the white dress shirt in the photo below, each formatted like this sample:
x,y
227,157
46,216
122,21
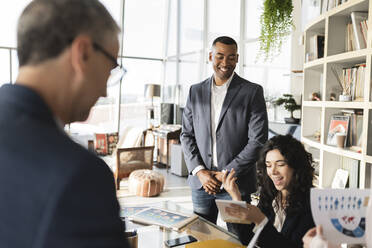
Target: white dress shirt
x,y
218,94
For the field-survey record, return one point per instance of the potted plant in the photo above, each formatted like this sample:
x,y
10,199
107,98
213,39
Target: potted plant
x,y
276,24
290,105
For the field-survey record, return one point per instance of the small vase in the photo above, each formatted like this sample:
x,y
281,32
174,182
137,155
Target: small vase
x,y
344,98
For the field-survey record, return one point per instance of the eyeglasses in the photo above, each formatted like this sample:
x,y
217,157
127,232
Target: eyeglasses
x,y
117,73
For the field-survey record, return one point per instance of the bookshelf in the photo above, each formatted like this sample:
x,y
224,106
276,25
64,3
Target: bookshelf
x,y
320,77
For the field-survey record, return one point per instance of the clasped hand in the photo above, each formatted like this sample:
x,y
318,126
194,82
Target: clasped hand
x,y
211,181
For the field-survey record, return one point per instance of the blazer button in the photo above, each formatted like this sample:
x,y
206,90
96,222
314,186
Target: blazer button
x,y
209,155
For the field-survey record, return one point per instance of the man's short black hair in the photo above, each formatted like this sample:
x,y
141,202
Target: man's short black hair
x,y
225,40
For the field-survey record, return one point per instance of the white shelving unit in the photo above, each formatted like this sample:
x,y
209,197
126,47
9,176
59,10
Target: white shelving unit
x,y
318,77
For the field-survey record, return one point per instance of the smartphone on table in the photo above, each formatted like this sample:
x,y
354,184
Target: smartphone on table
x,y
180,241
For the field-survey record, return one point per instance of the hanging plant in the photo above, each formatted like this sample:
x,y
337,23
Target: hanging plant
x,y
276,24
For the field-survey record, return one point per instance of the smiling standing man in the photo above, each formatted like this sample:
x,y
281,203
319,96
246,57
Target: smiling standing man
x,y
224,126
55,193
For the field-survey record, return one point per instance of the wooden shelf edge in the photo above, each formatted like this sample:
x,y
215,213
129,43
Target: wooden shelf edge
x,y
312,103
343,7
368,159
348,105
311,142
314,63
343,152
348,55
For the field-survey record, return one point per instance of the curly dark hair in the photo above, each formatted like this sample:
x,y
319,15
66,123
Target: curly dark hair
x,y
302,179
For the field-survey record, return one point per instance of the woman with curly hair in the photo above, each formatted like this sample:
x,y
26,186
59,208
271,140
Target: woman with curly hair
x,y
283,214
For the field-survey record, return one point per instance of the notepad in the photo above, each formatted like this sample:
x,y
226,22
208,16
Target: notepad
x,y
223,204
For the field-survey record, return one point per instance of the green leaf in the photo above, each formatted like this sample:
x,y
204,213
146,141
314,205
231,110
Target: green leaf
x,y
276,24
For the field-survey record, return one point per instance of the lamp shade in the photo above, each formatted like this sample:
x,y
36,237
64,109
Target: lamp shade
x,y
152,90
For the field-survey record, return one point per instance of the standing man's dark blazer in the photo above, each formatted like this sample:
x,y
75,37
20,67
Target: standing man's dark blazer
x,y
241,132
53,192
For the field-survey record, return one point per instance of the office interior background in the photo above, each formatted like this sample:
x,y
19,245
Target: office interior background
x,y
167,42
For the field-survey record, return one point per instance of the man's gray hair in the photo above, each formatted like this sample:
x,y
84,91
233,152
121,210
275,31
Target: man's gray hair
x,y
47,27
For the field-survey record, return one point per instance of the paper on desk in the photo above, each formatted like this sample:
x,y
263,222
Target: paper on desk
x,y
342,213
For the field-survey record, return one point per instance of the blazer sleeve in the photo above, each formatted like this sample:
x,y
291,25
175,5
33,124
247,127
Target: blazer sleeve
x,y
188,140
86,213
270,237
257,134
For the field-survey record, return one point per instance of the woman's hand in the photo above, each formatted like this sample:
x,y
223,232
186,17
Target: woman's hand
x,y
250,214
314,239
229,184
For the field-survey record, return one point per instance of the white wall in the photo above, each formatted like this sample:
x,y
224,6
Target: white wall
x,y
297,55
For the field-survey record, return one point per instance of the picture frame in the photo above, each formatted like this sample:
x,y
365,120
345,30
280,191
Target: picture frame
x,y
337,124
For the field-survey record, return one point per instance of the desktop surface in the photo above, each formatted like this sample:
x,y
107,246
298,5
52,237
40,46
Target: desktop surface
x,y
155,236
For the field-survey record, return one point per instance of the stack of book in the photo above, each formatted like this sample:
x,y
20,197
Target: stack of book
x,y
356,31
351,80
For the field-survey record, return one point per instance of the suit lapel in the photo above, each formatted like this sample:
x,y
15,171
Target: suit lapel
x,y
230,95
288,223
207,107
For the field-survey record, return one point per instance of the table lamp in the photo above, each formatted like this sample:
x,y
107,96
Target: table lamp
x,y
151,91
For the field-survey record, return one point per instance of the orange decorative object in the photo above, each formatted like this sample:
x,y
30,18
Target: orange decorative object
x,y
146,183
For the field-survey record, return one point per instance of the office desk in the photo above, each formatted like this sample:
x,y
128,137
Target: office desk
x,y
201,229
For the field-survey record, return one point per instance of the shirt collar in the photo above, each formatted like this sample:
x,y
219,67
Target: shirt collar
x,y
225,85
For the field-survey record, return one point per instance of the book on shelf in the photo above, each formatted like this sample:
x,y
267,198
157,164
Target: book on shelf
x,y
164,218
364,27
354,135
351,80
356,19
324,6
316,47
338,124
333,3
352,167
340,179
367,180
350,38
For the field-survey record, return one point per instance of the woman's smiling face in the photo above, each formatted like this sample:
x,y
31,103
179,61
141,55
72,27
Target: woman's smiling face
x,y
278,170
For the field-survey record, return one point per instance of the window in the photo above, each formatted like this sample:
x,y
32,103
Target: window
x,y
4,66
190,66
133,103
272,75
253,10
224,18
191,25
144,28
114,7
8,22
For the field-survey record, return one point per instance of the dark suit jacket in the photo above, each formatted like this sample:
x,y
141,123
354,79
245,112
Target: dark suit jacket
x,y
54,193
294,228
241,132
